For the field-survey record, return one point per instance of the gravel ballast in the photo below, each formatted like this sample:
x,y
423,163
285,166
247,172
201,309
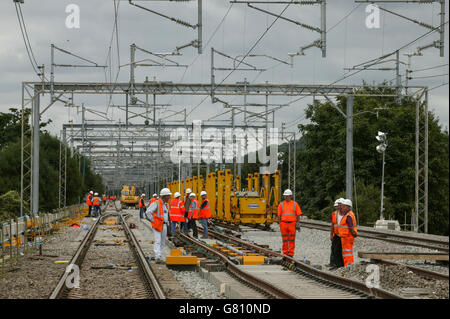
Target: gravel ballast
x,y
36,276
315,245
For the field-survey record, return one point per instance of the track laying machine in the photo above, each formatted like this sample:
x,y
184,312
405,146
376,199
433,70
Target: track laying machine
x,y
128,197
231,203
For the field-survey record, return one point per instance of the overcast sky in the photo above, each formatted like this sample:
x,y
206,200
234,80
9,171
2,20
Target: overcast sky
x,y
349,43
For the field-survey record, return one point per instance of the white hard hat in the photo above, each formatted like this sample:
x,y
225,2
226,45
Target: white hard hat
x,y
287,192
338,201
347,202
96,194
177,195
192,195
155,195
165,191
202,193
188,191
143,195
91,192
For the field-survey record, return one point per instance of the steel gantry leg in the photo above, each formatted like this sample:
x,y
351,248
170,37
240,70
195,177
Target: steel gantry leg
x,y
349,149
35,155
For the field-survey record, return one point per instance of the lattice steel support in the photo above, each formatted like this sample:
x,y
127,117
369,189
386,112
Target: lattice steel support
x,y
421,165
62,170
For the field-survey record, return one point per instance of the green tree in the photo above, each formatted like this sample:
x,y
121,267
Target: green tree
x,y
10,167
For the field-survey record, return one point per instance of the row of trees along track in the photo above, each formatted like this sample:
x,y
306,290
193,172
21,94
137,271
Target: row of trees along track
x,y
320,161
10,132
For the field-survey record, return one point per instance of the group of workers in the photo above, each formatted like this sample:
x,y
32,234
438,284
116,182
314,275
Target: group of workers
x,y
164,216
93,201
343,229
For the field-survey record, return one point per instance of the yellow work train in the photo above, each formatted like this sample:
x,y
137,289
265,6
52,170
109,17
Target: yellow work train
x,y
229,202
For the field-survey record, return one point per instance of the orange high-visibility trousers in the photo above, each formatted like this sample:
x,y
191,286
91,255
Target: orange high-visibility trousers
x,y
288,236
347,249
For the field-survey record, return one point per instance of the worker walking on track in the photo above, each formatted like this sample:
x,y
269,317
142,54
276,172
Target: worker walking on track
x,y
205,214
89,202
96,204
176,212
343,234
142,207
187,203
193,215
288,212
158,214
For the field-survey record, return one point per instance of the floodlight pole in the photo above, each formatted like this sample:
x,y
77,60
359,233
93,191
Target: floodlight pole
x,y
349,149
382,188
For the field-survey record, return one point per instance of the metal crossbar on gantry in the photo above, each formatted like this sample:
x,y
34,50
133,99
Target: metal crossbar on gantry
x,y
31,92
118,152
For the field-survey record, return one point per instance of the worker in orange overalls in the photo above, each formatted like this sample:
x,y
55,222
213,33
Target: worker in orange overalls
x,y
96,204
205,214
176,212
89,202
288,212
142,207
345,229
193,215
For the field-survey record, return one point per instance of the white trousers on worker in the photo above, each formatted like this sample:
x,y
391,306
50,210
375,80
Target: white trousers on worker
x,y
160,240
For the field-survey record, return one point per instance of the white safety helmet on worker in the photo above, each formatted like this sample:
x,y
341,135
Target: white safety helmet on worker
x,y
188,191
192,195
338,201
287,192
347,202
143,195
165,191
91,192
177,195
155,195
96,194
202,193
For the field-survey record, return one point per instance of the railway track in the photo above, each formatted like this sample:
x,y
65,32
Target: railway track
x,y
111,263
400,239
308,282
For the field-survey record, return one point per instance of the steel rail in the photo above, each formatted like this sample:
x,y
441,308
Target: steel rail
x,y
250,279
150,277
61,288
340,281
420,271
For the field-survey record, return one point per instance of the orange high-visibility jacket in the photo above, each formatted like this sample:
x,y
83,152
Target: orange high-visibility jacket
x,y
193,210
158,216
96,201
152,200
141,202
105,198
343,230
288,211
89,200
177,210
205,212
334,219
